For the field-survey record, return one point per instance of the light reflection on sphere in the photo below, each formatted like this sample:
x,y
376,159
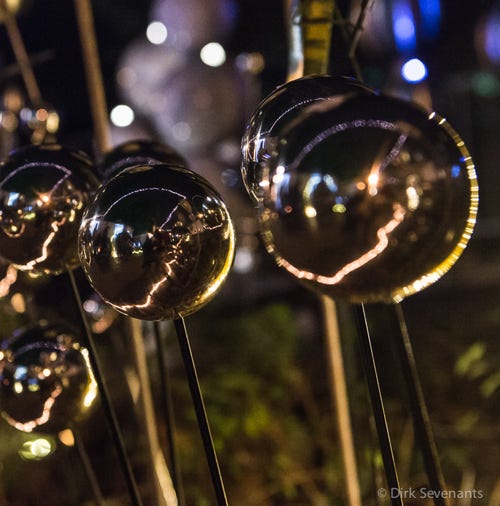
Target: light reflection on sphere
x,y
279,108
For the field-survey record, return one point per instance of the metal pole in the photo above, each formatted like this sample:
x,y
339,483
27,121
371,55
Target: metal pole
x,y
201,415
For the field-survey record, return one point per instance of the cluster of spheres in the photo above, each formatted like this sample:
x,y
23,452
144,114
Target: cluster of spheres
x,y
154,238
362,197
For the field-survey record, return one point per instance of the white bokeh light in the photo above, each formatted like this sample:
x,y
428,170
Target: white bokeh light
x,y
122,116
414,71
213,54
156,32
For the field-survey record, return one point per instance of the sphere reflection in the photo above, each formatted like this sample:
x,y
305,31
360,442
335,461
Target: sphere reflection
x,y
157,242
43,192
45,379
370,200
279,108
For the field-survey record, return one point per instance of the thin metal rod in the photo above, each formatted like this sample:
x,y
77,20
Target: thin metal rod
x,y
341,401
377,406
164,488
366,5
89,470
106,399
21,55
95,86
418,408
201,415
168,412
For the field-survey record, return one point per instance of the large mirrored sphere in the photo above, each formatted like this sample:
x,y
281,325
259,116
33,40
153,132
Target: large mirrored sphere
x,y
138,152
369,200
43,192
45,379
279,108
157,242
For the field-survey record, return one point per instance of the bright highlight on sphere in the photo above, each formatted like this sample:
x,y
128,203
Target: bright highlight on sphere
x,y
156,32
36,449
414,71
213,54
122,116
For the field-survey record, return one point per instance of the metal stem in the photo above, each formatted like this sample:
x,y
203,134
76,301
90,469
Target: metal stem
x,y
95,86
201,415
377,406
106,399
341,401
22,58
168,411
366,5
418,407
89,470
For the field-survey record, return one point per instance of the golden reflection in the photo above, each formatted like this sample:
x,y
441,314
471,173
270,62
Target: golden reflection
x,y
37,449
8,280
67,437
383,242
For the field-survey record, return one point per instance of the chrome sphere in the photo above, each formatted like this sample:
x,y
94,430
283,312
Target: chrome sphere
x,y
370,199
157,242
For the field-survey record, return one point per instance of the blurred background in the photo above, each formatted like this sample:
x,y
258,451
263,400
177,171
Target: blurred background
x,y
190,73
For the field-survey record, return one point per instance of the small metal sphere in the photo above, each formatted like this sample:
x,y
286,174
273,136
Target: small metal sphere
x,y
45,379
370,199
279,108
157,242
43,193
138,152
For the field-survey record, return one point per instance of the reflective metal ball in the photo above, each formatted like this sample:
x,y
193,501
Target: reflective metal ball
x,y
45,379
138,152
279,108
157,242
370,199
43,192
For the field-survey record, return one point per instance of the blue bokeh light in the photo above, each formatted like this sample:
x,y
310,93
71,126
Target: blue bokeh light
x,y
403,26
430,14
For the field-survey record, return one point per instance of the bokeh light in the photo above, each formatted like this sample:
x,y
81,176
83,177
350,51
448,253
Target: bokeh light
x,y
156,32
213,54
122,115
414,71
